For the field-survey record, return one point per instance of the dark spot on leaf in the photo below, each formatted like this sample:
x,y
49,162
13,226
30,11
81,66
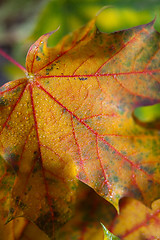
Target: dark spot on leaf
x,y
106,147
135,192
16,168
34,170
150,170
74,187
37,166
29,188
56,214
49,69
115,178
12,159
82,78
19,203
123,152
38,58
3,101
16,90
41,48
17,200
22,205
11,210
45,223
111,48
150,184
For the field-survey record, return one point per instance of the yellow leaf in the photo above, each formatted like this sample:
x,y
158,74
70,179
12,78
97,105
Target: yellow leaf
x,y
137,221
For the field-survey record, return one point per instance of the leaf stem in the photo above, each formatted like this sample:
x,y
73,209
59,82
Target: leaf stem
x,y
10,59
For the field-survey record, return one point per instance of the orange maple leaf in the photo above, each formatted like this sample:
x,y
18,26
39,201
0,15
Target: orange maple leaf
x,y
71,118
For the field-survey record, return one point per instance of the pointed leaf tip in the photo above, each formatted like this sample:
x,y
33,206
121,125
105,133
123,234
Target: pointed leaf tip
x,y
38,53
9,219
48,34
102,9
108,235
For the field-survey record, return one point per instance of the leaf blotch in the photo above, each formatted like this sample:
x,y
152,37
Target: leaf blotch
x,y
83,78
38,58
45,223
3,102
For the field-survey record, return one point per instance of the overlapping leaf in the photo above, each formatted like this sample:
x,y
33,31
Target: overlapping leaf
x,y
73,115
136,221
91,209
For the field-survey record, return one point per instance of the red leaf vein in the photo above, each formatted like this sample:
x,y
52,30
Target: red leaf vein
x,y
43,172
9,116
94,132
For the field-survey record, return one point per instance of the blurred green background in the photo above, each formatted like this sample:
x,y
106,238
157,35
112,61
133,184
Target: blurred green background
x,y
23,22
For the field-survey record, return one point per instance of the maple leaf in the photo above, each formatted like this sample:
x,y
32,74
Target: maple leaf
x,y
137,221
72,116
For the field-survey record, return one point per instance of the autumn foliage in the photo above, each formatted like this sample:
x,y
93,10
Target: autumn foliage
x,y
69,126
